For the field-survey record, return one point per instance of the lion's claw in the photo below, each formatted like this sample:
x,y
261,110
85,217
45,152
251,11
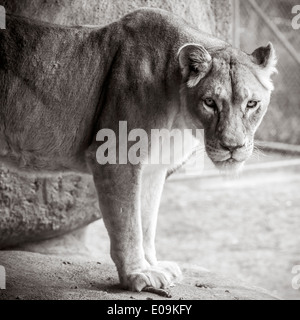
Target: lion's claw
x,y
159,292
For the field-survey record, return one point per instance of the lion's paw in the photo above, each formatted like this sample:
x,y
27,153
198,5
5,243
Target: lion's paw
x,y
161,276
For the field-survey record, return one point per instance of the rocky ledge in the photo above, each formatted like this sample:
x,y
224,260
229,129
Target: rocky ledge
x,y
34,276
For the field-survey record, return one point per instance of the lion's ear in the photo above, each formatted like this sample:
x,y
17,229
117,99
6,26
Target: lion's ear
x,y
195,63
265,57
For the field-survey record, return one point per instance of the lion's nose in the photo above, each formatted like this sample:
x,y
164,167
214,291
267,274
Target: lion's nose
x,y
231,147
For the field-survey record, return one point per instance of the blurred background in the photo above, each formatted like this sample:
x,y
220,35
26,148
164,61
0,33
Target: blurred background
x,y
255,23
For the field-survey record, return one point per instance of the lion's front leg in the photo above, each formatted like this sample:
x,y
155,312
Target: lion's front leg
x,y
119,189
119,199
153,180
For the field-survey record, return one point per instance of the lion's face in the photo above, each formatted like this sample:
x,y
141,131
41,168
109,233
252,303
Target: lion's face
x,y
227,95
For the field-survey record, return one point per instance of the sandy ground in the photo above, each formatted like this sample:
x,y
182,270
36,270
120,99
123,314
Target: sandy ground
x,y
248,229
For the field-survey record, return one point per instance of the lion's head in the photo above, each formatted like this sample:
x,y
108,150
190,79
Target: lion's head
x,y
227,92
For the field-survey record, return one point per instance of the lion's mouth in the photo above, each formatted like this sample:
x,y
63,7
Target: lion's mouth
x,y
230,165
229,160
226,161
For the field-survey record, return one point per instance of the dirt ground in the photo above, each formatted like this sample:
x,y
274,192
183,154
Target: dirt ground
x,y
246,228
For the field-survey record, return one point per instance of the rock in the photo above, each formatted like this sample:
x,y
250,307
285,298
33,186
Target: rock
x,y
33,209
209,15
32,276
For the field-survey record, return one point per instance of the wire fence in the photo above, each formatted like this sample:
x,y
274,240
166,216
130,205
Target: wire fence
x,y
255,24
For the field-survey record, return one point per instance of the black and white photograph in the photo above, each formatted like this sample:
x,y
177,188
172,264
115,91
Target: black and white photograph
x,y
149,152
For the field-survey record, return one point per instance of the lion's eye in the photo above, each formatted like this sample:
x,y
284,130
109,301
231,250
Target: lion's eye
x,y
252,104
210,103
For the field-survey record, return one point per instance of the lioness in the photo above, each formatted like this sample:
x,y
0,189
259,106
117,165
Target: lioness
x,y
61,85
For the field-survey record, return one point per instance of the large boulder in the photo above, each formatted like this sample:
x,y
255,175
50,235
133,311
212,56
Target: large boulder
x,y
34,209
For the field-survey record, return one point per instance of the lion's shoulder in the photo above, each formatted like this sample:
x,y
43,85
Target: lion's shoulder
x,y
163,28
